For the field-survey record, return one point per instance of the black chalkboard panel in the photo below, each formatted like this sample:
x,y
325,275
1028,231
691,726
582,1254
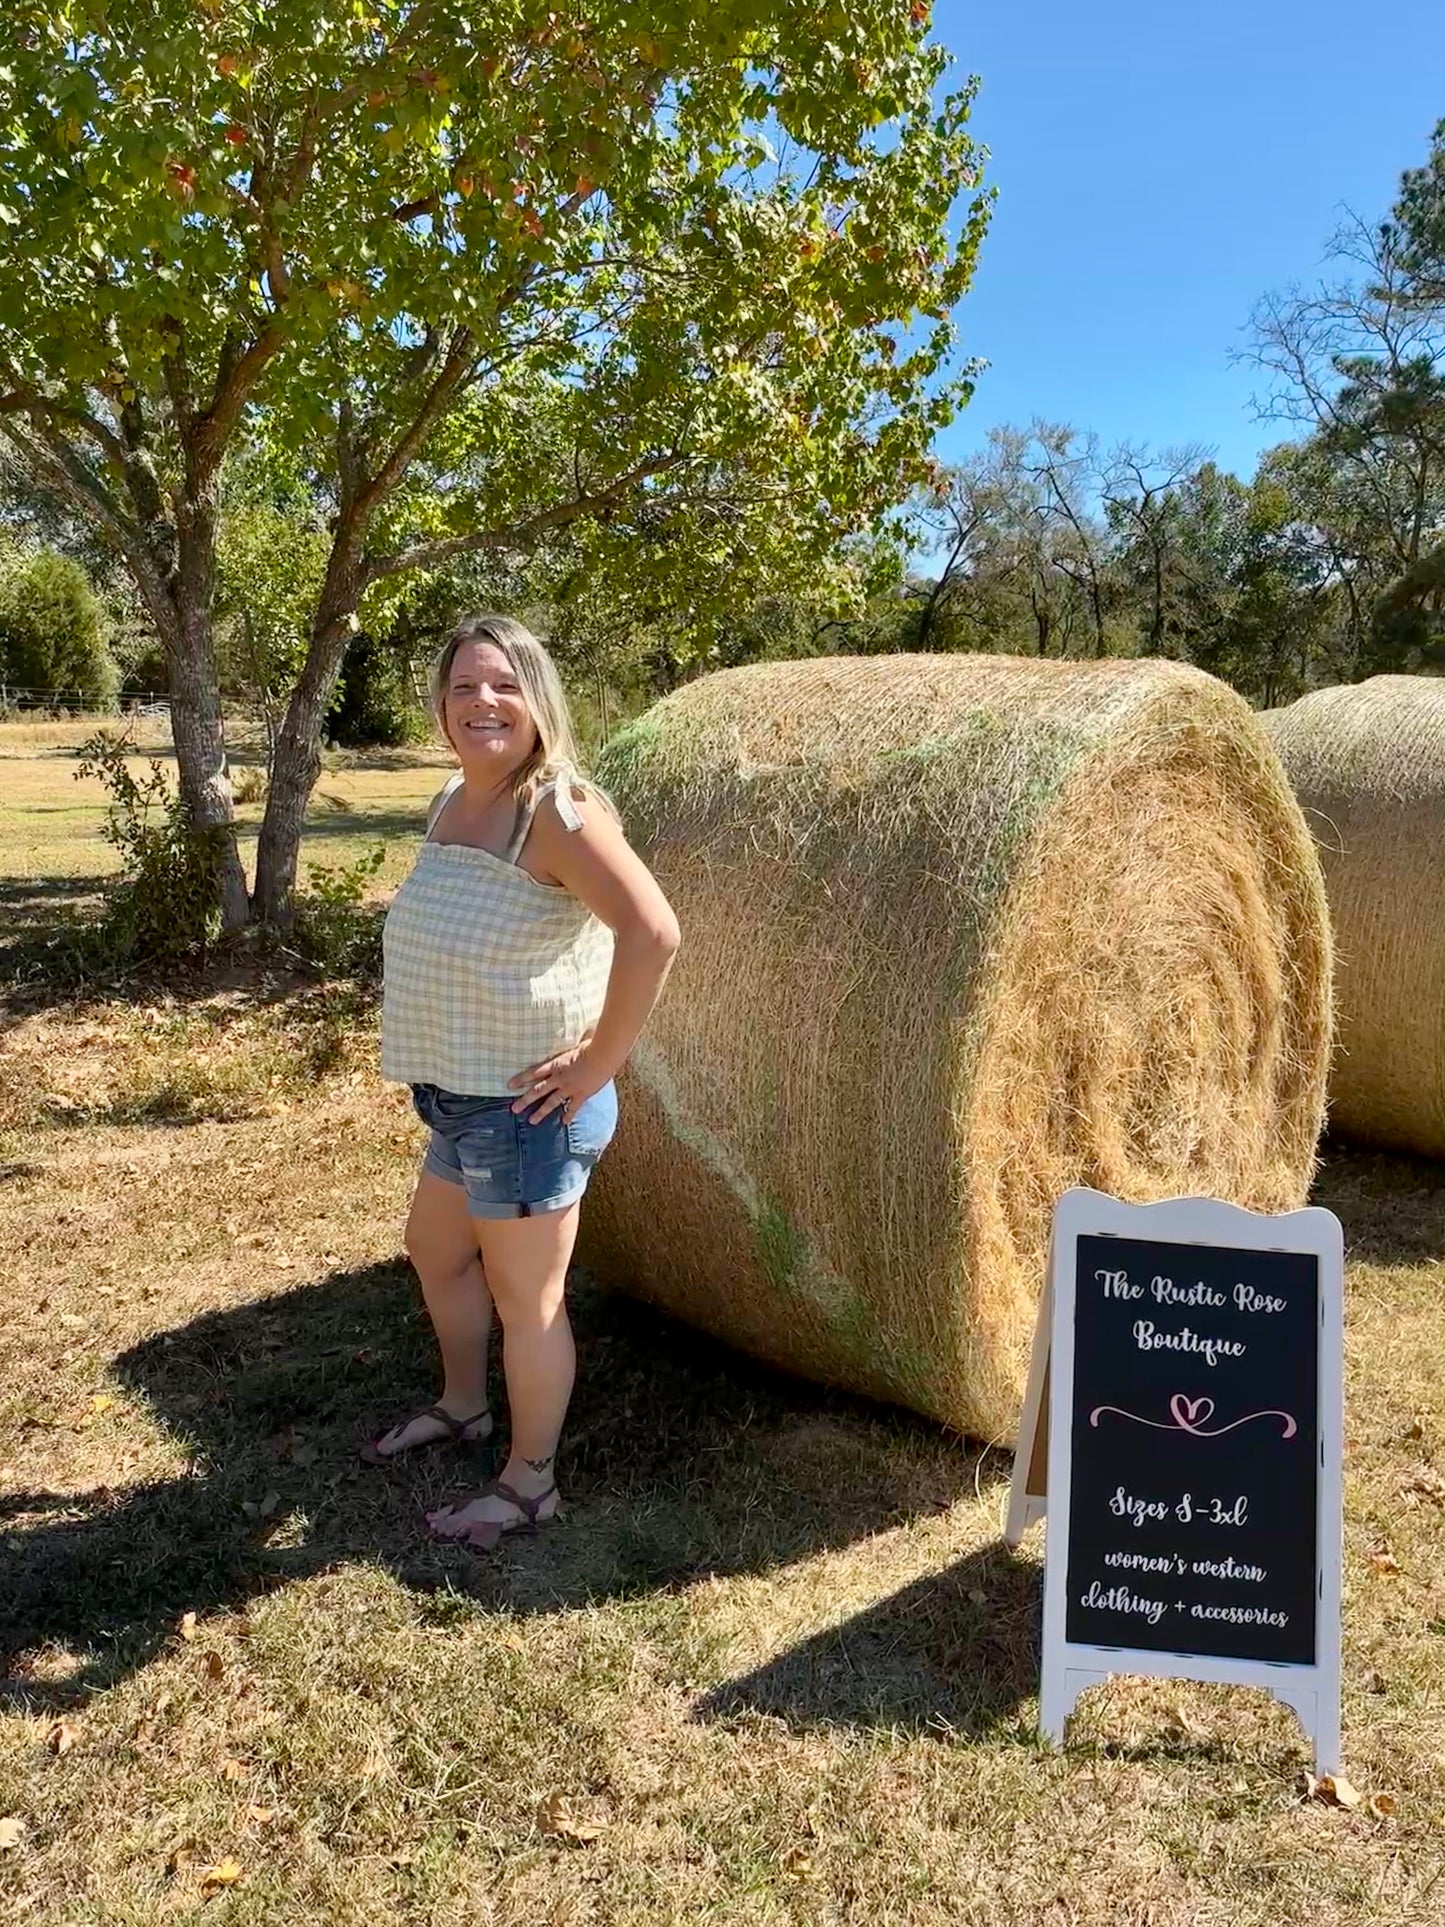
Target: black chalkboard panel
x,y
1195,1436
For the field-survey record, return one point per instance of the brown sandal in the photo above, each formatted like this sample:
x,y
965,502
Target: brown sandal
x,y
483,1537
455,1434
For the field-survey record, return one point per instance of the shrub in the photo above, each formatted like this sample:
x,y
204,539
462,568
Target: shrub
x,y
250,785
53,632
335,928
167,905
374,704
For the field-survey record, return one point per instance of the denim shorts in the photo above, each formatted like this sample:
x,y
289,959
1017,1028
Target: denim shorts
x,y
508,1166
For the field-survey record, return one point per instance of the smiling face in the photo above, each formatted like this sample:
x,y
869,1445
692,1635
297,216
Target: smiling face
x,y
487,720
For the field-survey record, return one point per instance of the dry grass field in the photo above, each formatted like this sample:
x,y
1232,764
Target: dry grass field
x,y
53,860
774,1666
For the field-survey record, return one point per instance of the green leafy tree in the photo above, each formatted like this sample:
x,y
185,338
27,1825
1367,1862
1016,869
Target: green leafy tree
x,y
1255,605
1028,558
375,702
1419,224
53,632
1359,363
1051,546
484,274
270,565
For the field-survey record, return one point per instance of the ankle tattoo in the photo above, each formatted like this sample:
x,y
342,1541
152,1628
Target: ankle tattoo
x,y
539,1466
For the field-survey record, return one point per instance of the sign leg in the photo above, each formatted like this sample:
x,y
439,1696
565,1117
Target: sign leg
x,y
1319,1714
1058,1696
1026,1502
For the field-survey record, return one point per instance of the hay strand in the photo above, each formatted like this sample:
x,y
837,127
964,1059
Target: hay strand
x,y
959,932
1367,762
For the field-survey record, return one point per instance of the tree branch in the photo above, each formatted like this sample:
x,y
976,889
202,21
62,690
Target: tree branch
x,y
233,389
520,535
51,459
25,400
409,210
448,379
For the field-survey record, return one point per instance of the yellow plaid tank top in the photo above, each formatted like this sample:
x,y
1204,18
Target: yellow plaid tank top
x,y
486,971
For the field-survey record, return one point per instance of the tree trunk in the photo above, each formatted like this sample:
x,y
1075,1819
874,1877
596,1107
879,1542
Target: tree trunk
x,y
201,763
196,722
296,761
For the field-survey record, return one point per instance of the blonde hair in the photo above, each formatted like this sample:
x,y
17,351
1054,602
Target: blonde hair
x,y
556,747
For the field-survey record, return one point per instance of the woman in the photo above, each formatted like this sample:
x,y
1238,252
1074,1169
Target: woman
x,y
522,957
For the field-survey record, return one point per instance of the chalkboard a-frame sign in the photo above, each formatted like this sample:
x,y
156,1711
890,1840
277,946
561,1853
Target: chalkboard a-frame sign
x,y
1195,1441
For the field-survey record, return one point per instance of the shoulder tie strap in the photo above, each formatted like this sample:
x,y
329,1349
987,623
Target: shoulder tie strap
x,y
562,795
561,791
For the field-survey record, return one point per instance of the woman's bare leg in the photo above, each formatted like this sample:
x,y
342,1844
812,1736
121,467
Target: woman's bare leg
x,y
526,1262
441,1242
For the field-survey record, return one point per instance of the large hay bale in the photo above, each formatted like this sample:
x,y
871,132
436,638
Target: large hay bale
x,y
1368,763
958,932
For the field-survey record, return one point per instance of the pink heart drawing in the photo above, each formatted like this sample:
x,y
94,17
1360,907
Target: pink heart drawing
x,y
1191,1413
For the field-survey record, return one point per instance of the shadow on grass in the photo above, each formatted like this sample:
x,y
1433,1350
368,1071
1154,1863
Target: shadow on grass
x,y
1391,1205
681,1460
421,757
34,908
955,1651
49,963
383,826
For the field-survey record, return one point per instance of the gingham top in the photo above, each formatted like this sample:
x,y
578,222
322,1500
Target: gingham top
x,y
487,971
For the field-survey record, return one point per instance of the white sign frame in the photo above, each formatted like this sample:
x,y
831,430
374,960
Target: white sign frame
x,y
1069,1668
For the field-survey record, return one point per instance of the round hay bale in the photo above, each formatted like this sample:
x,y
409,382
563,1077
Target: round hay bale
x,y
958,933
1367,761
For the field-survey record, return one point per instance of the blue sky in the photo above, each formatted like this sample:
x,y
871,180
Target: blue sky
x,y
1159,167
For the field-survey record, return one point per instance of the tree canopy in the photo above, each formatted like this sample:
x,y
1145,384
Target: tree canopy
x,y
485,274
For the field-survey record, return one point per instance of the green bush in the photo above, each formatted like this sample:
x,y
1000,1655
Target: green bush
x,y
166,907
53,632
335,927
374,704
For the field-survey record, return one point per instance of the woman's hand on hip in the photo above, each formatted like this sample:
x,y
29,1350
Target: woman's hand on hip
x,y
563,1082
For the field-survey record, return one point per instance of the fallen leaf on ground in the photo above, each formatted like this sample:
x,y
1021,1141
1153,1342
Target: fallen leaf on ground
x,y
188,1625
797,1864
215,1666
233,1769
60,1738
262,1816
100,1403
1336,1792
1381,1806
12,1832
1382,1561
224,1874
555,1816
263,1508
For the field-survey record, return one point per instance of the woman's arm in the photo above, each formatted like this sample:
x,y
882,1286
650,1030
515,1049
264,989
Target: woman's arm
x,y
601,869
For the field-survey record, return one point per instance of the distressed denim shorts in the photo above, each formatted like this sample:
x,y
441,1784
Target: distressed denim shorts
x,y
508,1166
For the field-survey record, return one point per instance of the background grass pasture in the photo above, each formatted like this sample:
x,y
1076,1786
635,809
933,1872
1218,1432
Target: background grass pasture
x,y
775,1666
52,852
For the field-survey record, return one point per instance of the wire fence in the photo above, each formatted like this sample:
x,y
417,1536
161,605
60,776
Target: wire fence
x,y
79,702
